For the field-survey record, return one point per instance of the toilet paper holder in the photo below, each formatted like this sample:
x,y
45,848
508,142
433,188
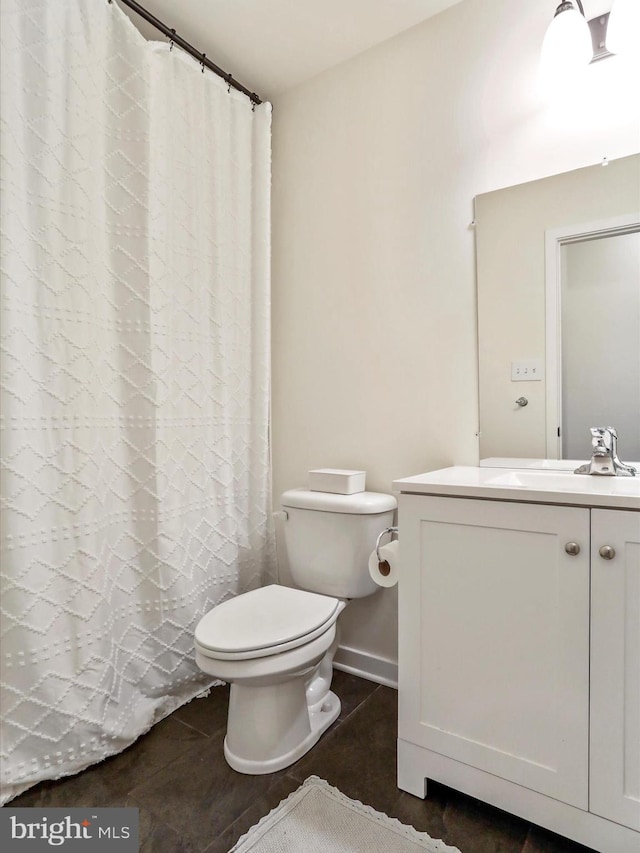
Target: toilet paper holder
x,y
387,530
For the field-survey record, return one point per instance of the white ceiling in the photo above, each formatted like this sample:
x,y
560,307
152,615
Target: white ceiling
x,y
273,45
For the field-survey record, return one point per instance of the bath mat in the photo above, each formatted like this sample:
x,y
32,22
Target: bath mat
x,y
320,819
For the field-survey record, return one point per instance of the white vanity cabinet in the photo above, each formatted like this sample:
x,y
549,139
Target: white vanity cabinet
x,y
615,668
519,657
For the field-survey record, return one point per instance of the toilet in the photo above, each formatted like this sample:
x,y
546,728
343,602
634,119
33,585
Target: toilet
x,y
275,645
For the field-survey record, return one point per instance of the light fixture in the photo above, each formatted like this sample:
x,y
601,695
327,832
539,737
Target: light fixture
x,y
623,29
571,42
567,46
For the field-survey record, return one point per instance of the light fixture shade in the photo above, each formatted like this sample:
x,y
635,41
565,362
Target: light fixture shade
x,y
567,46
623,29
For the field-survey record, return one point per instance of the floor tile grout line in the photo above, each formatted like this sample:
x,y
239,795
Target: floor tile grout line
x,y
131,793
208,735
158,817
275,782
359,705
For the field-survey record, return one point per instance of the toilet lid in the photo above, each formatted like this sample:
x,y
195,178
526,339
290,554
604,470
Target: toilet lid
x,y
263,618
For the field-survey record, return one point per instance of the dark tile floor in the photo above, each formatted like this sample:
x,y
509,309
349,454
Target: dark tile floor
x,y
190,800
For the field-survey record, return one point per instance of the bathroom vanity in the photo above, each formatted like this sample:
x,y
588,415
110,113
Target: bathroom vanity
x,y
519,645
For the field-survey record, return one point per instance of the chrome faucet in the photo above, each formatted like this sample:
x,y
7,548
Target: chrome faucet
x,y
604,457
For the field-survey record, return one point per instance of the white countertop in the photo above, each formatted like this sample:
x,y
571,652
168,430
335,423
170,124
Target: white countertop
x,y
552,484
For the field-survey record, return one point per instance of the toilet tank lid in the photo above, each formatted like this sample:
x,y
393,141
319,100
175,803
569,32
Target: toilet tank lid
x,y
361,503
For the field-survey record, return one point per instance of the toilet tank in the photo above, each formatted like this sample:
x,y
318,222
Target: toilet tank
x,y
329,538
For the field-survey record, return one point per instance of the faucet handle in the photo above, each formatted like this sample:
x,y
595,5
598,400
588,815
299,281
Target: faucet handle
x,y
619,467
604,458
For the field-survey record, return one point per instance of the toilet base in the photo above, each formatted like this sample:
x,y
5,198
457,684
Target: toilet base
x,y
319,717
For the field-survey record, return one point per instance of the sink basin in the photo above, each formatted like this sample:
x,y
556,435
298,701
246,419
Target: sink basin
x,y
567,465
563,481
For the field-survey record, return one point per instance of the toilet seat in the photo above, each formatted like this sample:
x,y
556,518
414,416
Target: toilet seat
x,y
265,621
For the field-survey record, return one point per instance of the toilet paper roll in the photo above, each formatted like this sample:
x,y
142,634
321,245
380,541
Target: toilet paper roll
x,y
385,573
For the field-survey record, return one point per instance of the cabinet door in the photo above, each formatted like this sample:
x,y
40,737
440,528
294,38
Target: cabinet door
x,y
615,667
494,638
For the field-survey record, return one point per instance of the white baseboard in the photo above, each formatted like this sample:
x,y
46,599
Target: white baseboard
x,y
368,666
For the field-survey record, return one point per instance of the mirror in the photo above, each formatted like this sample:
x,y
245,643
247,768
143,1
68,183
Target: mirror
x,y
558,270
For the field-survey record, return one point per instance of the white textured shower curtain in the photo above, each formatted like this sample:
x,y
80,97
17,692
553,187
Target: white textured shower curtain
x,y
135,376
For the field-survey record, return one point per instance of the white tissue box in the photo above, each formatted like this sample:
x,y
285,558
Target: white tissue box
x,y
337,481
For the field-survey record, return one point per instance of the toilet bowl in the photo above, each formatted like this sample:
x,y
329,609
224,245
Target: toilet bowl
x,y
275,646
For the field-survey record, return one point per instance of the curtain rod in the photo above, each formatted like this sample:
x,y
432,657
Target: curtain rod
x,y
188,48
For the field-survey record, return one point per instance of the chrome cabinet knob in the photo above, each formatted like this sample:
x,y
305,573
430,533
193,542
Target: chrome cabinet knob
x,y
522,401
607,552
572,548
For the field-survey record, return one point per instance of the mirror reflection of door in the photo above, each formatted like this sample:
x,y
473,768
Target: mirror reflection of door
x,y
601,342
520,233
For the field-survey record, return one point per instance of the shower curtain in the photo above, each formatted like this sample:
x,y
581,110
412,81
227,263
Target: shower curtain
x,y
135,376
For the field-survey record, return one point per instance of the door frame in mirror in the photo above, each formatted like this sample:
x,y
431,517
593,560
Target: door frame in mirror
x,y
555,239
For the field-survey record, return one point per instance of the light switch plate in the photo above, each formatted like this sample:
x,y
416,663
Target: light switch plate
x,y
526,371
